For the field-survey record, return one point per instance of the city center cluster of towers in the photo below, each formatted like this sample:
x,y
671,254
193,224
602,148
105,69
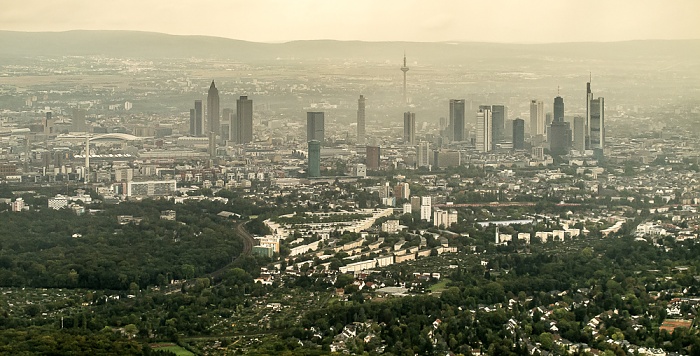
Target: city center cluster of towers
x,y
493,128
492,125
236,126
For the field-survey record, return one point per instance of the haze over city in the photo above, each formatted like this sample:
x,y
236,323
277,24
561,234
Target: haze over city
x,y
349,177
506,21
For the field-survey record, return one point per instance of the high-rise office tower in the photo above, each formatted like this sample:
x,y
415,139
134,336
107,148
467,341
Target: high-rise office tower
x,y
558,109
361,120
518,134
78,123
212,144
404,69
457,119
589,98
409,128
48,123
499,115
484,130
314,159
315,126
579,134
424,154
559,138
243,127
537,122
213,118
373,156
559,133
597,124
196,119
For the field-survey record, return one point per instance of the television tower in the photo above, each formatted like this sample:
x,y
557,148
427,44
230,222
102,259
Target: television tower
x,y
404,69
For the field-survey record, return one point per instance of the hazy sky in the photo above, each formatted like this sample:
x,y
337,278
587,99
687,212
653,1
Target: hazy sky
x,y
371,20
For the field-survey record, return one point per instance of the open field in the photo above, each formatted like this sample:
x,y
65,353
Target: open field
x,y
178,350
439,286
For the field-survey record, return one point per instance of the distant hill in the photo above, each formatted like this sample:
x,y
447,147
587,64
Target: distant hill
x,y
133,44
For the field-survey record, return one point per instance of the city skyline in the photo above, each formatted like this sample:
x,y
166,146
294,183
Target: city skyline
x,y
648,19
203,195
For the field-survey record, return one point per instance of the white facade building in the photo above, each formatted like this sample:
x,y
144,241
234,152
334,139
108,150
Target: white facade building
x,y
484,131
444,217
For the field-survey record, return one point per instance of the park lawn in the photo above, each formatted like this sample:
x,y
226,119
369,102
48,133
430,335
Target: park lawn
x,y
439,286
177,350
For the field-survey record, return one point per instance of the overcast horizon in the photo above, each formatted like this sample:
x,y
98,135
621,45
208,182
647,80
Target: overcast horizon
x,y
503,21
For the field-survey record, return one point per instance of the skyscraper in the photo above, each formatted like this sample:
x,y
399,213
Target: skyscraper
x,y
404,69
537,122
484,130
589,98
373,155
559,131
559,138
212,144
409,128
558,109
314,157
499,115
48,123
457,119
424,154
213,118
196,119
518,134
579,134
315,126
597,124
242,129
361,120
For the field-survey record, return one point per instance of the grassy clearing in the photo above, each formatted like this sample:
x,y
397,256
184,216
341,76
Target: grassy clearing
x,y
177,350
439,286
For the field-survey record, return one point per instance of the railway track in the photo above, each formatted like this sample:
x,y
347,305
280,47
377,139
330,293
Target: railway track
x,y
248,242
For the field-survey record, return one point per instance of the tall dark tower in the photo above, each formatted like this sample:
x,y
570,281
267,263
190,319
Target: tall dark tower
x,y
361,120
559,133
589,98
48,130
314,156
498,123
48,123
315,126
198,124
457,119
373,159
404,69
597,125
518,134
558,109
213,122
242,130
409,128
